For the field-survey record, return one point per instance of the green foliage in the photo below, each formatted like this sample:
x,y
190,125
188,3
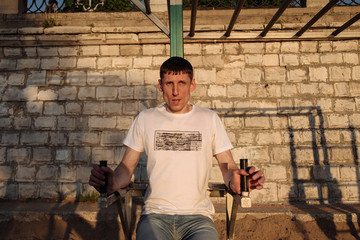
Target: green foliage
x,y
109,5
50,22
90,197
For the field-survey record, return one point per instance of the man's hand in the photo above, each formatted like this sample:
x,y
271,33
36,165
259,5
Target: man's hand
x,y
97,178
255,179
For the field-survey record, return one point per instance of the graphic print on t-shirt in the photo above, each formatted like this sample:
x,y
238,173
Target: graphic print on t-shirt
x,y
178,140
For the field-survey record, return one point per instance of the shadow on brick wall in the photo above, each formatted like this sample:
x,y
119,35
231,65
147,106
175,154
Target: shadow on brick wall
x,y
321,172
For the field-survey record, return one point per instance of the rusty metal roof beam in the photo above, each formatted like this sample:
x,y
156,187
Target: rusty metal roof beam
x,y
316,17
234,17
345,25
194,6
281,10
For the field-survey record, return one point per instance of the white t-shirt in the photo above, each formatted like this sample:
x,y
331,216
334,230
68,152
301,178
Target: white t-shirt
x,y
180,148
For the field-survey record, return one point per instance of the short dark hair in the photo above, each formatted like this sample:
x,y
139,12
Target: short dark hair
x,y
176,65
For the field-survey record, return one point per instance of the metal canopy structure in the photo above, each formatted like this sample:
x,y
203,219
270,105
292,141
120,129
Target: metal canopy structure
x,y
175,33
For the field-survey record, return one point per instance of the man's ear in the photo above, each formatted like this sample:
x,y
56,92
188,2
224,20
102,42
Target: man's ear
x,y
192,85
160,85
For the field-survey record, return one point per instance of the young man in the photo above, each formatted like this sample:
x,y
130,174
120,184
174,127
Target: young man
x,y
180,140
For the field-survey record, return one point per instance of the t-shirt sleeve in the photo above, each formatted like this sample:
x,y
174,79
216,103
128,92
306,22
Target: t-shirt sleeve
x,y
221,140
134,138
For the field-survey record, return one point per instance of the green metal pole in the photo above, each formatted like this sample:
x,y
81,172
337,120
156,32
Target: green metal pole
x,y
176,29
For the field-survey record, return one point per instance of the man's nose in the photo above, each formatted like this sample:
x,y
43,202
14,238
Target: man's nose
x,y
175,90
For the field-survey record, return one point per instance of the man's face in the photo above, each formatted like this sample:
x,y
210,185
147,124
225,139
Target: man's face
x,y
176,90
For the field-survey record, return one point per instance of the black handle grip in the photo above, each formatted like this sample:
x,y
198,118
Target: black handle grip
x,y
244,179
103,189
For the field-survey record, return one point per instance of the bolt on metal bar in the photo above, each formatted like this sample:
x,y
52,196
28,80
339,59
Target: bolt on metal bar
x,y
234,17
194,6
281,10
316,17
345,25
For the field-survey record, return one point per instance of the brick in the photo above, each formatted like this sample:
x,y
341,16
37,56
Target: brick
x,y
309,89
95,77
86,93
326,89
325,46
55,78
213,61
339,73
82,155
345,46
76,78
344,105
48,191
106,93
16,79
318,74
45,123
89,51
227,76
86,62
13,94
218,104
280,154
63,155
42,154
257,90
73,108
272,47
234,61
124,122
354,89
28,63
47,173
145,92
68,51
135,77
102,122
275,173
216,91
9,64
109,50
309,59
270,60
34,107
102,154
205,76
83,138
25,173
22,122
130,50
193,49
30,51
9,191
237,90
67,93
65,123
10,138
49,63
67,63
331,58
5,173
115,77
275,74
93,108
216,49
104,62
153,49
337,120
28,191
351,58
53,108
47,95
252,47
12,52
297,75
257,122
122,62
57,139
113,138
308,46
151,77
229,48
289,47
37,78
252,75
47,51
289,60
34,138
341,89
67,174
142,62
356,73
